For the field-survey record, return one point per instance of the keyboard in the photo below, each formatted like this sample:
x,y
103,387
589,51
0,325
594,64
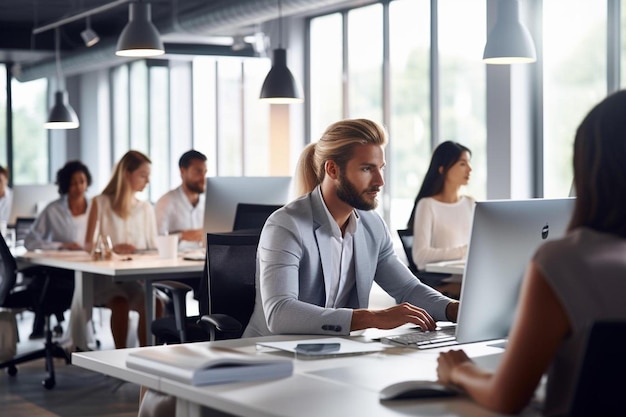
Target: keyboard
x,y
423,340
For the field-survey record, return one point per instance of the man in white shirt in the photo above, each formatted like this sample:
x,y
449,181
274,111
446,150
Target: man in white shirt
x,y
181,210
6,195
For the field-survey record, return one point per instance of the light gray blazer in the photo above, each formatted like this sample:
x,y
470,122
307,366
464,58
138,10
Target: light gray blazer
x,y
294,253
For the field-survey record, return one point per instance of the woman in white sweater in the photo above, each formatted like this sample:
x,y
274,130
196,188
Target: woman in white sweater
x,y
442,216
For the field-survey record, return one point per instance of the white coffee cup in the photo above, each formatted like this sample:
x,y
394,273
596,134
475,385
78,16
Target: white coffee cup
x,y
167,246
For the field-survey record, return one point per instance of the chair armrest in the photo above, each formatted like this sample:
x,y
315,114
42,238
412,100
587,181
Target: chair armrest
x,y
221,322
173,286
178,291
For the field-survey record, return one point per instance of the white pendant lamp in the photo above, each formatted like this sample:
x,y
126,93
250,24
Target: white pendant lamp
x,y
62,115
280,86
139,38
509,42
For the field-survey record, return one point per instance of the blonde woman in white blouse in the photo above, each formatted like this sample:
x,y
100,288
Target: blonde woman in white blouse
x,y
131,225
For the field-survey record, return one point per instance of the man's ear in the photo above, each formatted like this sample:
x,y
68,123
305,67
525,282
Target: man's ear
x,y
332,169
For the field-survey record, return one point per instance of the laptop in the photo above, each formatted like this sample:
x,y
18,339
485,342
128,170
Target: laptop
x,y
504,236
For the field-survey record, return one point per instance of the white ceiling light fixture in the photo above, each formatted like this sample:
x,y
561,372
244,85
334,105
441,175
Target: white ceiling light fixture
x,y
279,86
509,42
62,115
140,37
90,37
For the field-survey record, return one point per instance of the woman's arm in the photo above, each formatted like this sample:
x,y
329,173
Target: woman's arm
x,y
537,334
92,222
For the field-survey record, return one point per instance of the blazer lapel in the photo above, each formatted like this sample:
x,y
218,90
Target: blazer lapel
x,y
362,268
323,234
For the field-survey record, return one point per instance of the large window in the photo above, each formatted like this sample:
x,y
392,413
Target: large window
x,y
402,102
231,124
462,83
409,129
326,71
574,80
30,139
365,62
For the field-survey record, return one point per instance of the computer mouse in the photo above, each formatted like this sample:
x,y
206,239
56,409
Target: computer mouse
x,y
415,389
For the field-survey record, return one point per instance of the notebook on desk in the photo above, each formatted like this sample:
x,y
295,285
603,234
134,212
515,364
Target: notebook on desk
x,y
503,238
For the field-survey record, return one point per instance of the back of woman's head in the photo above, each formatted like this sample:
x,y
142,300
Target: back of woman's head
x,y
445,155
64,175
599,173
336,144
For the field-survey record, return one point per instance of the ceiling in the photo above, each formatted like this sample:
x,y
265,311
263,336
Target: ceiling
x,y
18,18
183,24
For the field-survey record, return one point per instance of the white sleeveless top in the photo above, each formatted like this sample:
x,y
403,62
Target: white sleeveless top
x,y
587,271
138,229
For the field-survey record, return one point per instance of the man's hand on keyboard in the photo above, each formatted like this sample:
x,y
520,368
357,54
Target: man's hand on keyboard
x,y
392,317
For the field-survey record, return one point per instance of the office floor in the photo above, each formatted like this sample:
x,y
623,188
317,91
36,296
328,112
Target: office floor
x,y
78,392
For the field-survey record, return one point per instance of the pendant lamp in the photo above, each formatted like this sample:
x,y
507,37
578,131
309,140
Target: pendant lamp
x,y
62,115
139,38
509,42
90,37
279,86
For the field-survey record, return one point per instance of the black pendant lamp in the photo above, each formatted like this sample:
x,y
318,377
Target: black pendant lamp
x,y
140,38
62,115
280,86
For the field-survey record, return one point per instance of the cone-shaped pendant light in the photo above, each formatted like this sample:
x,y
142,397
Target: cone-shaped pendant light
x,y
279,86
139,38
509,42
62,115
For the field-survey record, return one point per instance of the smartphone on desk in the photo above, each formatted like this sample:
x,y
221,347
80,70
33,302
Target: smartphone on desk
x,y
317,348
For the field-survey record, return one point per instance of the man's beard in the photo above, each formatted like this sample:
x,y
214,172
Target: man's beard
x,y
195,187
348,193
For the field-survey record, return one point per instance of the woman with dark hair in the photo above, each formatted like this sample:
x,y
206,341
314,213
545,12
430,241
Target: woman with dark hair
x,y
569,284
441,216
62,224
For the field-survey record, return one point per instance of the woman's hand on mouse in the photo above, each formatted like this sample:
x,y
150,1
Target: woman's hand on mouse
x,y
447,362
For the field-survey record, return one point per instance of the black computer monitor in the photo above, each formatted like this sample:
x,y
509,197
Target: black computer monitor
x,y
223,194
504,236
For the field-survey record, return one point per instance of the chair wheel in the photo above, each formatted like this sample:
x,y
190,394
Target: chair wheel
x,y
48,383
12,370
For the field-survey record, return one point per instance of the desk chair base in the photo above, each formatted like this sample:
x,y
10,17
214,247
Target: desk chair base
x,y
51,350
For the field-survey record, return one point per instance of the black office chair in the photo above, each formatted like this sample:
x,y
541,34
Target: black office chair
x,y
46,301
432,279
252,216
227,293
600,384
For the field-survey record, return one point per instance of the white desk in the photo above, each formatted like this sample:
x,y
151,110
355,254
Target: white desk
x,y
334,387
146,267
456,267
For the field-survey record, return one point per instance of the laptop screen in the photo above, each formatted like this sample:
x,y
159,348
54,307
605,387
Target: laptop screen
x,y
504,237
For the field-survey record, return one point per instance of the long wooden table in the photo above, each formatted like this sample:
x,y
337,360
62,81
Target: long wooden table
x,y
144,267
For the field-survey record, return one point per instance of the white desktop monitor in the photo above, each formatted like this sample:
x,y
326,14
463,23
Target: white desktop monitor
x,y
30,200
505,234
222,194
